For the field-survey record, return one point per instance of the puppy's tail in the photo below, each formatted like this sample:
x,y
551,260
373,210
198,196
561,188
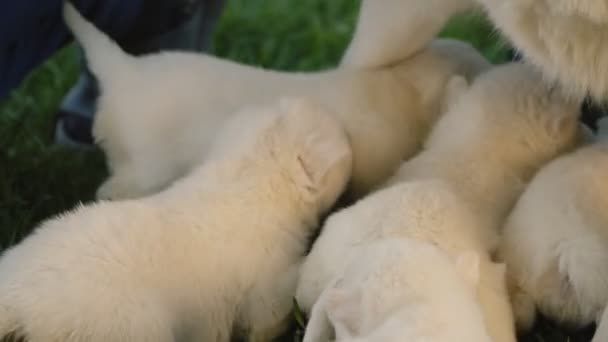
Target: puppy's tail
x,y
105,58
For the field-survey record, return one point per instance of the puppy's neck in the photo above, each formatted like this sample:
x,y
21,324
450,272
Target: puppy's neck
x,y
489,185
484,182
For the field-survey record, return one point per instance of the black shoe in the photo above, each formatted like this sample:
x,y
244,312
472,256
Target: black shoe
x,y
74,120
591,112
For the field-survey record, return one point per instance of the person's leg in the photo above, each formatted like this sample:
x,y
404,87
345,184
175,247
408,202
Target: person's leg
x,y
33,30
184,25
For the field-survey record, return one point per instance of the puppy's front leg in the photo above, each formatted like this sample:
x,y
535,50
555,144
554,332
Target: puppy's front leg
x,y
601,333
319,327
267,311
391,30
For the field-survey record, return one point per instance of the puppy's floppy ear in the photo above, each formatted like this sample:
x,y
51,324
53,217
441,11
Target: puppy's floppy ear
x,y
323,158
318,159
456,87
343,309
467,264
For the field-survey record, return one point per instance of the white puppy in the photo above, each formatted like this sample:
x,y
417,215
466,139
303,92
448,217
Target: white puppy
x,y
556,242
562,37
475,163
426,211
218,249
159,113
495,137
401,290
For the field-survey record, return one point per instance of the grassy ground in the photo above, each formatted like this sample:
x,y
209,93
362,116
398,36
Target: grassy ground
x,y
39,179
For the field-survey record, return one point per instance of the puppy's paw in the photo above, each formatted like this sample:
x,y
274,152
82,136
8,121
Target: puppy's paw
x,y
454,89
524,310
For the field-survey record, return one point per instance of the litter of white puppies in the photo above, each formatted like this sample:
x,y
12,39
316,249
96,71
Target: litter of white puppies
x,y
457,191
455,234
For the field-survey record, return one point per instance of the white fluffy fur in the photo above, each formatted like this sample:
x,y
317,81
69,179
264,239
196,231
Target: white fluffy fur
x,y
556,242
424,211
475,163
565,38
218,249
158,113
401,290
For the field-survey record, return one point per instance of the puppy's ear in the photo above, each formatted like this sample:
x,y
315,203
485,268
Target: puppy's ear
x,y
454,89
323,158
319,158
343,309
467,264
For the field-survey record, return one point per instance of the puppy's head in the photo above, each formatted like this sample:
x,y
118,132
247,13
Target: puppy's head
x,y
400,292
510,113
299,142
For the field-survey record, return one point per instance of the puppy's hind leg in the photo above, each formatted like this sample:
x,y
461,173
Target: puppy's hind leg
x,y
136,181
118,187
454,90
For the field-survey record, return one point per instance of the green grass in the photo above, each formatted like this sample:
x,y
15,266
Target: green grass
x,y
39,179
